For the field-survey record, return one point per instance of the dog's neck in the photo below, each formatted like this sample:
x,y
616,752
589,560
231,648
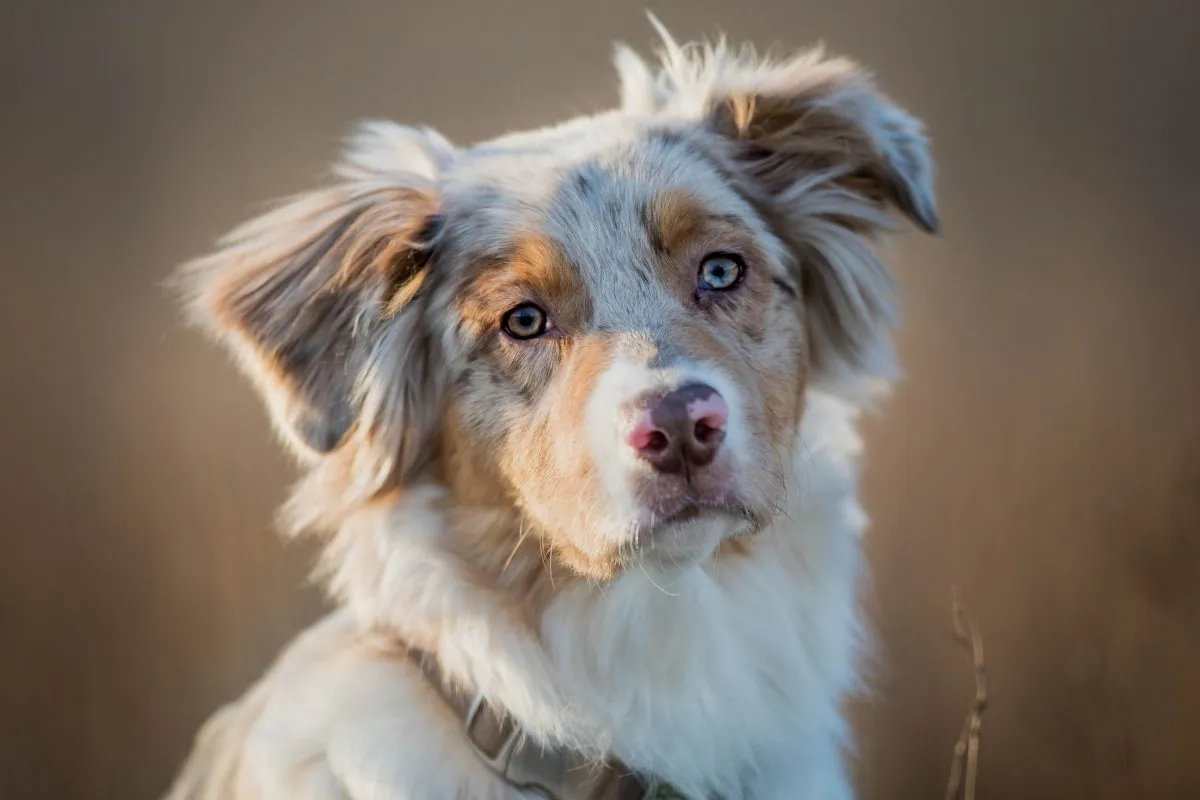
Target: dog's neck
x,y
622,668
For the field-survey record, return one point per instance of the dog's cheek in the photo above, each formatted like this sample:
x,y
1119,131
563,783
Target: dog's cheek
x,y
577,532
783,377
768,358
775,347
566,402
782,368
559,485
555,485
473,427
527,450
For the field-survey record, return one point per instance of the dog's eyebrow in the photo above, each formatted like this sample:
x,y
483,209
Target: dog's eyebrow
x,y
675,215
530,266
696,149
786,287
727,219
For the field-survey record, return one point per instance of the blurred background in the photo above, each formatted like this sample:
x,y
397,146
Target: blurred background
x,y
1043,452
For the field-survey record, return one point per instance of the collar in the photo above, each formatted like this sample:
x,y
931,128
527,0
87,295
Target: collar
x,y
553,774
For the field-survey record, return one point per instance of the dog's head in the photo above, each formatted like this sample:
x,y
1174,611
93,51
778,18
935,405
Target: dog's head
x,y
609,326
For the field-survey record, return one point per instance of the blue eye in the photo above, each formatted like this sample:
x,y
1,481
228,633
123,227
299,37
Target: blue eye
x,y
526,321
720,271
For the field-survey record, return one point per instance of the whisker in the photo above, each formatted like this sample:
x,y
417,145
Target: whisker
x,y
652,581
520,540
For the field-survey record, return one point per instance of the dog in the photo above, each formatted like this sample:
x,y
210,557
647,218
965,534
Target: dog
x,y
576,411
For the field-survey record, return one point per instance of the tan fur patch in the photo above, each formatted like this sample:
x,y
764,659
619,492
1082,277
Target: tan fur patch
x,y
733,548
590,356
677,217
488,530
536,271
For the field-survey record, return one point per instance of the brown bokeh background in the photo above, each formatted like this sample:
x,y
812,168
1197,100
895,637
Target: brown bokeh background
x,y
1043,453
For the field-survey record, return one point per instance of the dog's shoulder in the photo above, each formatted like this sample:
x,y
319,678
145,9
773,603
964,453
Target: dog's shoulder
x,y
340,714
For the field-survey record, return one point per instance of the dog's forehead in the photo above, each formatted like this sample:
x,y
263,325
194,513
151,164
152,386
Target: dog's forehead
x,y
513,178
589,186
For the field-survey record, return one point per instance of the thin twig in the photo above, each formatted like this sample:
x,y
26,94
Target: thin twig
x,y
964,769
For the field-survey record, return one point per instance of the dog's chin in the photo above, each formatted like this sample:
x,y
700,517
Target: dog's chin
x,y
691,534
681,537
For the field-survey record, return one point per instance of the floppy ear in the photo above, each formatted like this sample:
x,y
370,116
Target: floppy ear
x,y
310,296
823,155
814,118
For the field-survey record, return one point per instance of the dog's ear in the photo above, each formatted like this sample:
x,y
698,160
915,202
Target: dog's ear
x,y
823,155
812,119
311,296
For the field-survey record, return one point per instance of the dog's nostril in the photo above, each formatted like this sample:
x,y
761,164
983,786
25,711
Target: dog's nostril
x,y
704,432
656,442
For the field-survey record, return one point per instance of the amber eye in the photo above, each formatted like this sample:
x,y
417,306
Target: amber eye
x,y
526,321
720,271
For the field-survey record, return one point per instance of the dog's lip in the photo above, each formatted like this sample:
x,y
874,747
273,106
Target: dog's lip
x,y
691,510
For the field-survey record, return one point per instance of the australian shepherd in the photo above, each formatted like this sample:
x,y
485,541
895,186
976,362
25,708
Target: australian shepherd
x,y
576,413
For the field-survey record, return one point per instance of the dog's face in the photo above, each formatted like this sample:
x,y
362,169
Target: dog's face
x,y
609,326
628,345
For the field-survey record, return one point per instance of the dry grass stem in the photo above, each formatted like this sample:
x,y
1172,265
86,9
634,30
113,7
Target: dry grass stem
x,y
964,769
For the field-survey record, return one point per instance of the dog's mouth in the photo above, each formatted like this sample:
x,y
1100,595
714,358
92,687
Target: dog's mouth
x,y
694,511
689,530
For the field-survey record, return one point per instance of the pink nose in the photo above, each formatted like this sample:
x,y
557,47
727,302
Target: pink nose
x,y
681,429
